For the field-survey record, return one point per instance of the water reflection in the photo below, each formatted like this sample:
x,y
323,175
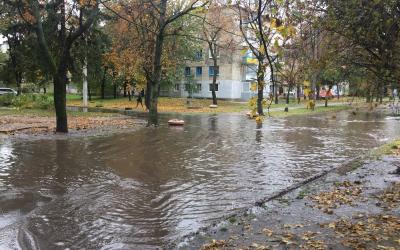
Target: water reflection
x,y
146,188
259,132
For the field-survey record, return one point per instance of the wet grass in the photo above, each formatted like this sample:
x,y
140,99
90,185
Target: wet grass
x,y
305,111
392,148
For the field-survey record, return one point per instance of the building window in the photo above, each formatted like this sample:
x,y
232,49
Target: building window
x,y
199,87
199,55
199,71
177,87
187,71
213,70
211,87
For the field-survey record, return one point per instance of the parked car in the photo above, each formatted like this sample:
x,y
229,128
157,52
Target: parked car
x,y
4,91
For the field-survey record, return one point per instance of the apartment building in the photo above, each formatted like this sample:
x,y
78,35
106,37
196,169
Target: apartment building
x,y
235,72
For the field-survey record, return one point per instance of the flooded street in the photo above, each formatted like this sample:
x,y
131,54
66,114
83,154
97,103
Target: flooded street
x,y
146,188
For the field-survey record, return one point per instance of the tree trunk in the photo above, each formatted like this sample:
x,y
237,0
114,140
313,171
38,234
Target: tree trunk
x,y
318,92
157,66
328,93
276,93
125,89
337,91
103,84
60,82
287,95
115,91
213,49
298,94
44,90
155,83
147,95
313,86
214,84
89,93
260,85
18,78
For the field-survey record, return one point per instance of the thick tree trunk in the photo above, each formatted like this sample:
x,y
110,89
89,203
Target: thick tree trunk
x,y
156,79
318,92
157,66
115,91
60,82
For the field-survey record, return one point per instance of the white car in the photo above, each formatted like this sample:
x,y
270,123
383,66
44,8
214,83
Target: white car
x,y
4,91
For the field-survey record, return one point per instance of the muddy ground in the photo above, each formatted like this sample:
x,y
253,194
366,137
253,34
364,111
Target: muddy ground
x,y
345,209
16,126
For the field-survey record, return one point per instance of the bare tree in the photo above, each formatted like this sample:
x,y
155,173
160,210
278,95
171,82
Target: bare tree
x,y
219,32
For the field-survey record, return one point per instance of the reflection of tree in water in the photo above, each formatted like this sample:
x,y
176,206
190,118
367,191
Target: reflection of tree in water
x,y
213,123
259,134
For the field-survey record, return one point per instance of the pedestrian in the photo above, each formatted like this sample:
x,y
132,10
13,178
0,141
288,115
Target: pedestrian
x,y
140,98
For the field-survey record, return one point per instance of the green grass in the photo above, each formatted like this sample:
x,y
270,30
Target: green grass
x,y
74,97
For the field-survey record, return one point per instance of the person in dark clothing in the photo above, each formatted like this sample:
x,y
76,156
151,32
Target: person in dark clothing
x,y
140,98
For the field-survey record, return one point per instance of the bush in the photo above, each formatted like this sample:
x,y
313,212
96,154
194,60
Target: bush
x,y
36,101
43,102
6,99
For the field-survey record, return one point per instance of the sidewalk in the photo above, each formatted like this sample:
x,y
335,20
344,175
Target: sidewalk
x,y
345,209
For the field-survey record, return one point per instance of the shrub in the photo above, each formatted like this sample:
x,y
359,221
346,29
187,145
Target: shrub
x,y
43,102
37,101
6,99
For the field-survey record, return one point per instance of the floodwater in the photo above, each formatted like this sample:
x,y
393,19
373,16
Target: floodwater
x,y
144,189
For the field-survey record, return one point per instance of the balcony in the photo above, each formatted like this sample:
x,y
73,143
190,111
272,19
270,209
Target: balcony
x,y
246,60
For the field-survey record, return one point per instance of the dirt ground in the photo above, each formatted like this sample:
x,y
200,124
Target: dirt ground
x,y
15,125
345,209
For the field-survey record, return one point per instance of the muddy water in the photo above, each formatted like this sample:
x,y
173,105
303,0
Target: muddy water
x,y
141,190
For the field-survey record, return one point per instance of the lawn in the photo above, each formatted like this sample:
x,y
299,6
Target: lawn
x,y
179,105
49,113
305,111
